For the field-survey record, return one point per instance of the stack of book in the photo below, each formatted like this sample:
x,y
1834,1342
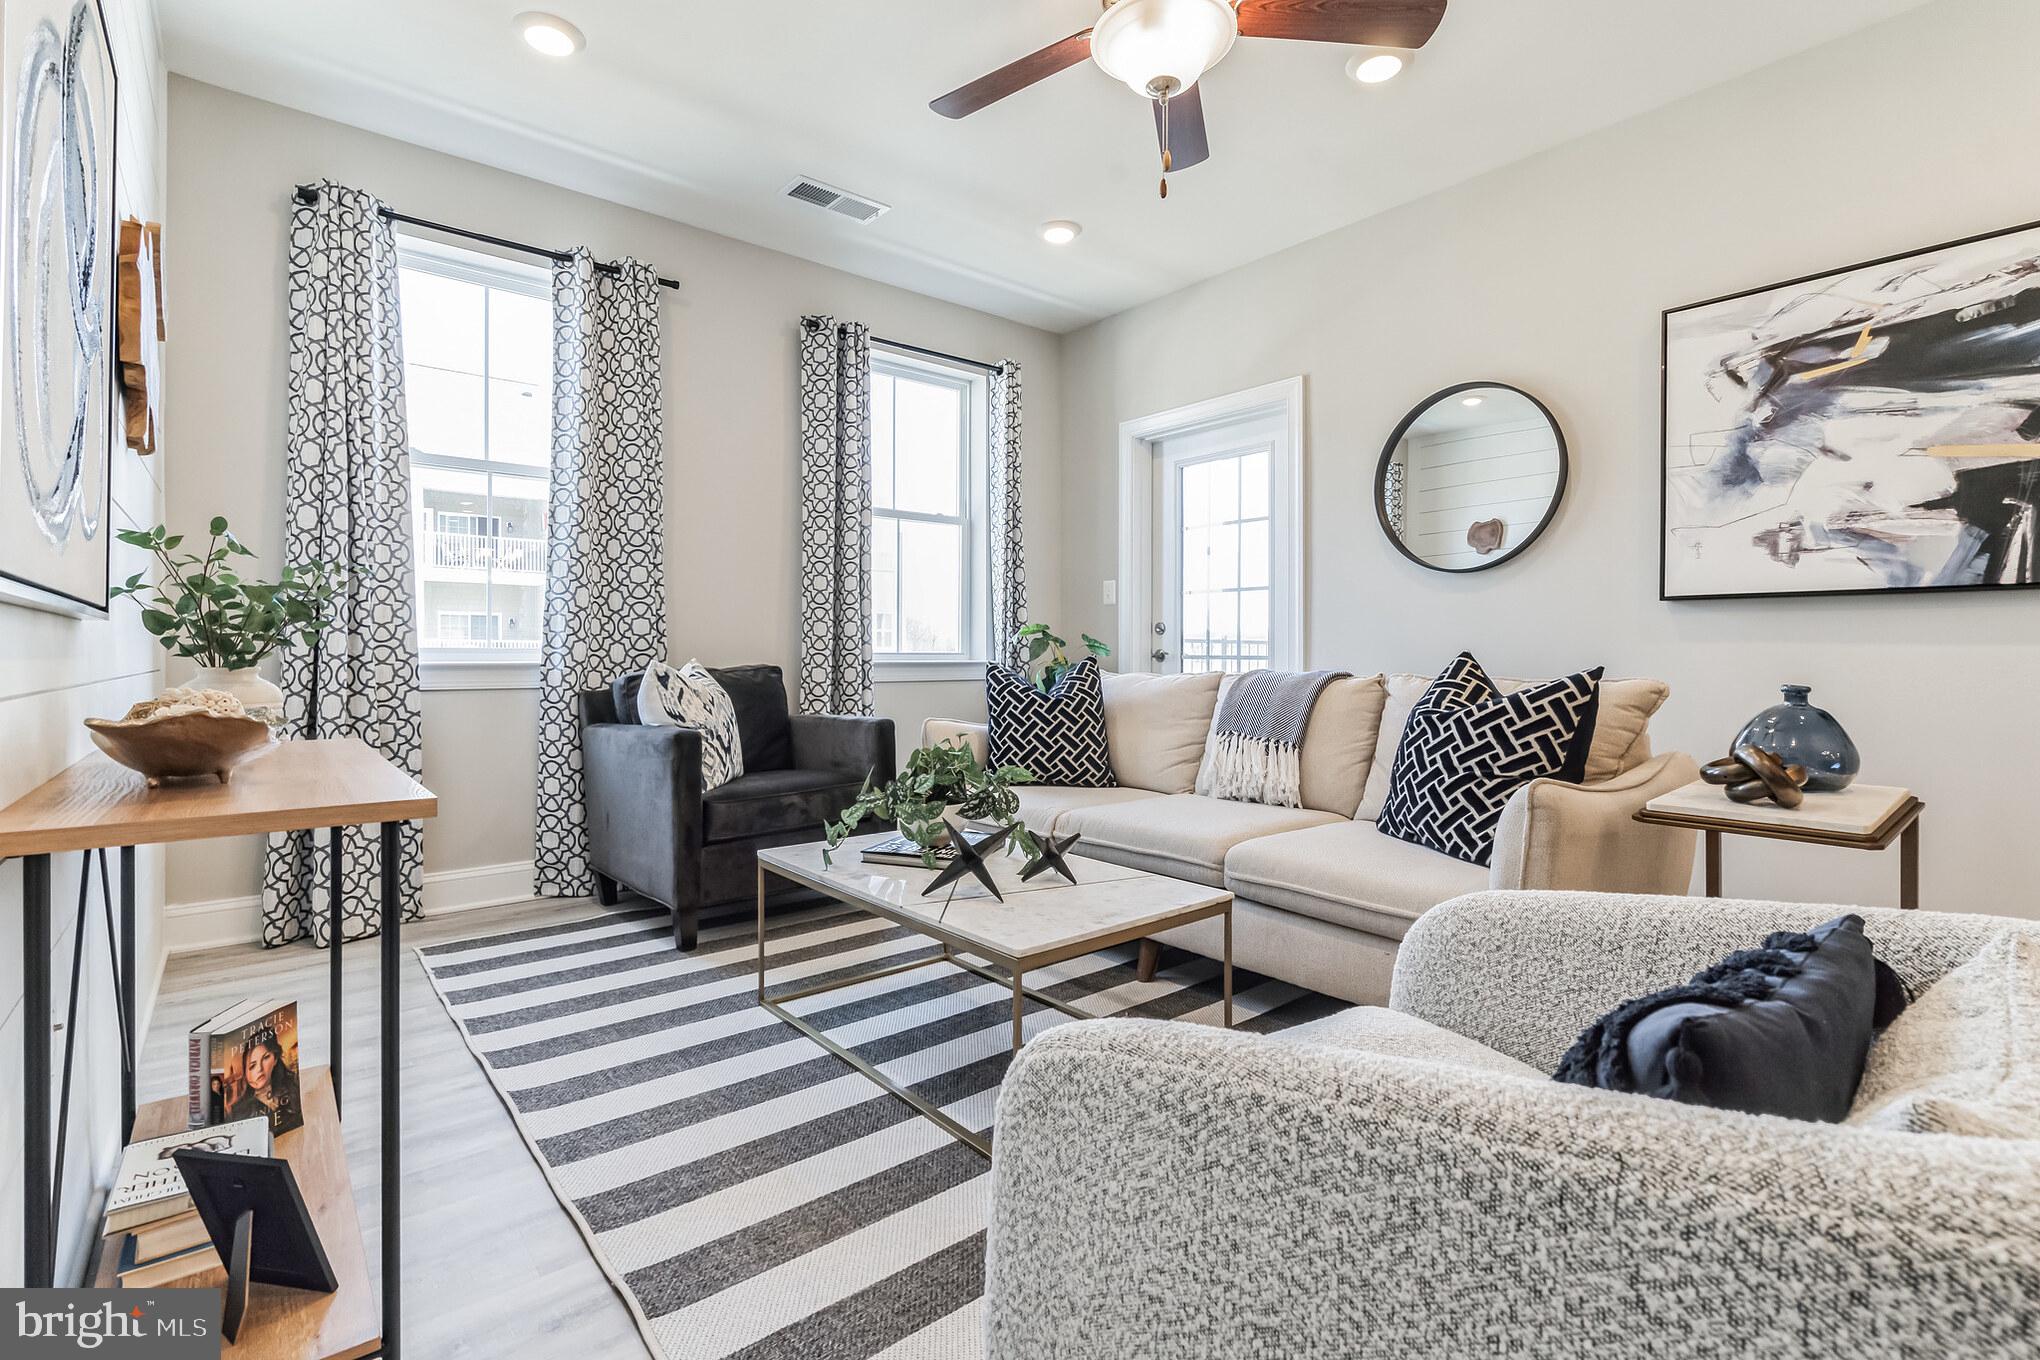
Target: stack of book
x,y
243,1063
166,1241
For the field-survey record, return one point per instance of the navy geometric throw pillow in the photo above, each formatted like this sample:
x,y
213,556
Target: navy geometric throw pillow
x,y
1467,747
1059,737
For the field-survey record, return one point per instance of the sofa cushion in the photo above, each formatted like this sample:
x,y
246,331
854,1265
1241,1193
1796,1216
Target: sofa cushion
x,y
1338,743
773,801
1349,874
1181,835
1042,805
1621,729
1965,1057
1155,727
1375,1029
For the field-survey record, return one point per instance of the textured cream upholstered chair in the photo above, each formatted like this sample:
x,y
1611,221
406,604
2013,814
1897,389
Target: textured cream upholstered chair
x,y
1322,897
1410,1182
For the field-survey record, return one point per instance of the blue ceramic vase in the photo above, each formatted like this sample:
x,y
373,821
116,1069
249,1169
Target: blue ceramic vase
x,y
1799,734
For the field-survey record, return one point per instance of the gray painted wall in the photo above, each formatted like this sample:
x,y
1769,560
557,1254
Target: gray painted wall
x,y
1551,275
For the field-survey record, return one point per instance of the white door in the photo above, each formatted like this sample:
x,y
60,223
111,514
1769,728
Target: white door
x,y
1221,602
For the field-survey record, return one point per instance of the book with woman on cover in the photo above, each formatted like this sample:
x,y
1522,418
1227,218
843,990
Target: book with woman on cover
x,y
253,1070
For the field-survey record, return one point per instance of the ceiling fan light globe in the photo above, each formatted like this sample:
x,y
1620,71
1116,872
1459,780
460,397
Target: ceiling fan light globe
x,y
1146,42
1377,65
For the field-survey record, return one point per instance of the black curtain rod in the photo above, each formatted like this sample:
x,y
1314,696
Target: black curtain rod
x,y
308,195
935,354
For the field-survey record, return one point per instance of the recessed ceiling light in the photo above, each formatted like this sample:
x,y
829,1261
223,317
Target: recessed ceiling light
x,y
549,34
1373,65
1471,401
1060,233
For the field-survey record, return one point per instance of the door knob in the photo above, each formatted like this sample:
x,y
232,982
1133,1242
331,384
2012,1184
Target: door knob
x,y
1158,655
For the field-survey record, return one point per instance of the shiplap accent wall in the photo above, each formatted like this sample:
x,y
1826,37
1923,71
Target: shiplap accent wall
x,y
54,672
1456,478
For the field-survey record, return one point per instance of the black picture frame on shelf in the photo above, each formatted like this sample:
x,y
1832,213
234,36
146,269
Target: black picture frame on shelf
x,y
258,1222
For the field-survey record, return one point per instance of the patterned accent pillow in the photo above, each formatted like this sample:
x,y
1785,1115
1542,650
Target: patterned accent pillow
x,y
1059,737
688,696
1467,747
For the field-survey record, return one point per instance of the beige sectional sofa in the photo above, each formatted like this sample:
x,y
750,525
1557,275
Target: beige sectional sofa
x,y
1322,898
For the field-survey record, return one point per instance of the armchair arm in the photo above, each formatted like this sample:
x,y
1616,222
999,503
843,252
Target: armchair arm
x,y
856,746
1525,972
642,785
1559,835
977,736
1173,1190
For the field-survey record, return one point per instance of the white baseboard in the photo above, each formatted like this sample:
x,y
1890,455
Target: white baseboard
x,y
191,926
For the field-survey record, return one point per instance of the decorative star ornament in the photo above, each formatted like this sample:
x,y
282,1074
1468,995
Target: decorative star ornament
x,y
1051,857
970,859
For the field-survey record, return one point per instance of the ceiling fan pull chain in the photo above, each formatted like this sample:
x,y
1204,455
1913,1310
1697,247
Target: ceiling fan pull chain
x,y
1168,162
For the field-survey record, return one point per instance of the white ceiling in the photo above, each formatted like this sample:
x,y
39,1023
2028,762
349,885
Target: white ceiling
x,y
704,111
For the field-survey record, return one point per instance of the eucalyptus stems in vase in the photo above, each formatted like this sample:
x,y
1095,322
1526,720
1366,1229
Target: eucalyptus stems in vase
x,y
203,609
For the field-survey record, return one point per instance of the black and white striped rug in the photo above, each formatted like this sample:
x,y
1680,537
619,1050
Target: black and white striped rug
x,y
747,1191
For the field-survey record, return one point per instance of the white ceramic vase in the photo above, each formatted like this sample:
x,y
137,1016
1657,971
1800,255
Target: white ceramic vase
x,y
261,698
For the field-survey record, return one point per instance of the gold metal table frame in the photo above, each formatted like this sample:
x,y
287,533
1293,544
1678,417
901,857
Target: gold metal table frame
x,y
954,945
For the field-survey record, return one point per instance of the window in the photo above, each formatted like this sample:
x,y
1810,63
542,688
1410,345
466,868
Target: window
x,y
930,582
478,386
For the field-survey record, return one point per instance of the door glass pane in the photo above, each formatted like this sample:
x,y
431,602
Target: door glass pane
x,y
1223,563
931,587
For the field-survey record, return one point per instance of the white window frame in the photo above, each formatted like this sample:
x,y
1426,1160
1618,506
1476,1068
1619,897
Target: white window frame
x,y
1139,440
974,488
456,668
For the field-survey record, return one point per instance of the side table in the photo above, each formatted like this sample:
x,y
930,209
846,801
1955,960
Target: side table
x,y
1860,817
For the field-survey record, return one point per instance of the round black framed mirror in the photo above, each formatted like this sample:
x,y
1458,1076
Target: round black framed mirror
x,y
1471,477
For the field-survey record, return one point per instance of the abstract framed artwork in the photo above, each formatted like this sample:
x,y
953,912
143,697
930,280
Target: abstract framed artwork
x,y
59,394
1872,429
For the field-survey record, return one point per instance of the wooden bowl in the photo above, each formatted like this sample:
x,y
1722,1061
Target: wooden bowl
x,y
182,745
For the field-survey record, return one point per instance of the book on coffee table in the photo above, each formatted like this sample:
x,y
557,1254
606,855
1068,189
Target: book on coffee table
x,y
902,850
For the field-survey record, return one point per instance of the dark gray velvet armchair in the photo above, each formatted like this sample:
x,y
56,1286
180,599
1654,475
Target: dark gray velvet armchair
x,y
653,830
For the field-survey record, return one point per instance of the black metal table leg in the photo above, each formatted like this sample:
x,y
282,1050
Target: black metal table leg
x,y
37,1260
392,1128
127,988
334,933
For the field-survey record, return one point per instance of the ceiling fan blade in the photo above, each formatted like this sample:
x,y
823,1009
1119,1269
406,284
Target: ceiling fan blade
x,y
1186,141
1014,77
1364,23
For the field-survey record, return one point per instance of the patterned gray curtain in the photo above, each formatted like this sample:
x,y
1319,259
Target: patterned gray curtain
x,y
1009,554
347,500
835,516
605,567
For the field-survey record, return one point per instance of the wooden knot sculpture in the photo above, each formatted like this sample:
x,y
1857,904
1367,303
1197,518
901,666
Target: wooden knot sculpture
x,y
1753,774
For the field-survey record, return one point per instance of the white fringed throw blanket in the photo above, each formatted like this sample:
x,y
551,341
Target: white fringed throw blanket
x,y
1256,745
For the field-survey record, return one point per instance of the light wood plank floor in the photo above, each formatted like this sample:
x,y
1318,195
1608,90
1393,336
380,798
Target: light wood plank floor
x,y
493,1267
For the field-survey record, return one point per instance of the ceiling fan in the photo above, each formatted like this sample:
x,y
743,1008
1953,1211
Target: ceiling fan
x,y
1160,48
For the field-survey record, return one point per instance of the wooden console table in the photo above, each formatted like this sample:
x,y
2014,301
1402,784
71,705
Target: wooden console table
x,y
97,805
1860,817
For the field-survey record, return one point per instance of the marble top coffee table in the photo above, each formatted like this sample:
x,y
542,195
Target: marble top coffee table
x,y
1042,922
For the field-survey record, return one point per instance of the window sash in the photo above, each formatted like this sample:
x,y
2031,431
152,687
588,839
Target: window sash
x,y
490,652
972,452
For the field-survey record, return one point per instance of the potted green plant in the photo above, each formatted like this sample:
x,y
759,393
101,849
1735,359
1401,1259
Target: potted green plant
x,y
203,609
1046,653
944,780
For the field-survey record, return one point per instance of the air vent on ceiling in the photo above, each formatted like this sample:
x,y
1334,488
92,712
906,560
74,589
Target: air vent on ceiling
x,y
853,206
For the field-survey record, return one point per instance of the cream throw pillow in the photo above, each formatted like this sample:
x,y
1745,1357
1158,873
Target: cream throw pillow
x,y
688,696
1965,1057
1338,741
1155,726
